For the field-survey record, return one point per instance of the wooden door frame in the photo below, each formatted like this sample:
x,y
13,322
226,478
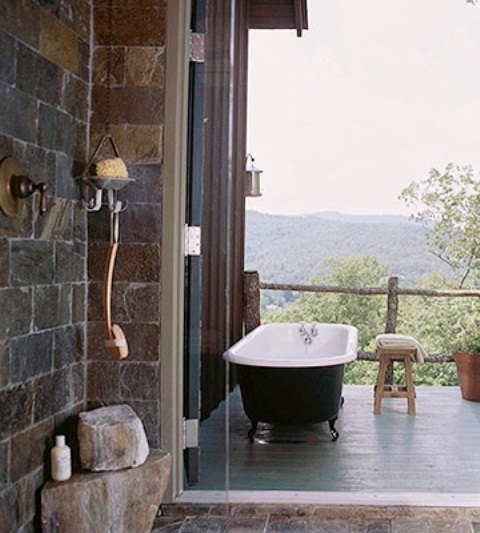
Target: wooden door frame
x,y
228,321
173,243
193,262
226,45
173,221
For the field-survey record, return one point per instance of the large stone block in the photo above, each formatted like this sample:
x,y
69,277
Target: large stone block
x,y
52,394
58,43
31,356
16,406
125,501
28,450
139,381
103,381
32,262
111,438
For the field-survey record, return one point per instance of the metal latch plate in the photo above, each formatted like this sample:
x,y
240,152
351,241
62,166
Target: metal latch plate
x,y
197,47
192,240
190,433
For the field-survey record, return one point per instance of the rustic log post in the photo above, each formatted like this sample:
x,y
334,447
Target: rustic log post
x,y
391,323
392,305
251,300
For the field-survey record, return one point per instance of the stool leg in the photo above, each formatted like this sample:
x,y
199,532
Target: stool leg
x,y
410,387
377,407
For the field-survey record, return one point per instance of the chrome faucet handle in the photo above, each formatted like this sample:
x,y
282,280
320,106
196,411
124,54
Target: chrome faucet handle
x,y
303,329
314,329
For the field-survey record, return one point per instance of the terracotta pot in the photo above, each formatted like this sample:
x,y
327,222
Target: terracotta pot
x,y
468,370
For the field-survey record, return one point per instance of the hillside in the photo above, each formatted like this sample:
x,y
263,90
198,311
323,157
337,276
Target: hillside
x,y
292,249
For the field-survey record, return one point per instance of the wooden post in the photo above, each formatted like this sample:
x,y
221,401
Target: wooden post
x,y
392,305
391,323
251,300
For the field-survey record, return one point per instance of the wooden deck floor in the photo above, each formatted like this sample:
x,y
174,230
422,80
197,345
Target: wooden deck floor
x,y
437,450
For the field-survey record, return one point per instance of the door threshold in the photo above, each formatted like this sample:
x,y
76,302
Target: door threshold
x,y
272,497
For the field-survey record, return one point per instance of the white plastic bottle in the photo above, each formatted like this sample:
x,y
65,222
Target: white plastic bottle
x,y
61,459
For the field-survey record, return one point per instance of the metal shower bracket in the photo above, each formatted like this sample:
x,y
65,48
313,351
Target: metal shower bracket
x,y
94,186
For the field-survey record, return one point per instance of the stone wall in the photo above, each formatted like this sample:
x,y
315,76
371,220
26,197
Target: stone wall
x,y
44,113
52,113
136,117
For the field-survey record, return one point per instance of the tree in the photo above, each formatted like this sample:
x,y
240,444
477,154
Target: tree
x,y
367,313
442,325
448,206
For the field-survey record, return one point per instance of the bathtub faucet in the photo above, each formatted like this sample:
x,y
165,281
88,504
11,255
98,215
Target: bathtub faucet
x,y
308,332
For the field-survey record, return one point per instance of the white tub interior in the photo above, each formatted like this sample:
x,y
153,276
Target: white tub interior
x,y
281,345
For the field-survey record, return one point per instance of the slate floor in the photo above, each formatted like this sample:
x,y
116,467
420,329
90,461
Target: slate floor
x,y
425,522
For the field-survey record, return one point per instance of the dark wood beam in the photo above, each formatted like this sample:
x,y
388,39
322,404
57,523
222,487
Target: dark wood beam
x,y
278,14
300,11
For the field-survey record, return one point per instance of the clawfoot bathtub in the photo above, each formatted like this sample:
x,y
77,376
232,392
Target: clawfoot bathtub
x,y
293,374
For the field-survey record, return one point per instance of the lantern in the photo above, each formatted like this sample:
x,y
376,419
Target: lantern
x,y
252,173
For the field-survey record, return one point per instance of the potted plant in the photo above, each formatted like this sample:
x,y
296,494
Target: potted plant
x,y
467,360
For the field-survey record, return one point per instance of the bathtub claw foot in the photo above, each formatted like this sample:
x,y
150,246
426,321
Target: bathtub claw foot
x,y
252,431
333,432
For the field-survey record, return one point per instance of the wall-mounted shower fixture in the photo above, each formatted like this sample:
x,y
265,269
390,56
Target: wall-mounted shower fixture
x,y
15,187
108,175
93,188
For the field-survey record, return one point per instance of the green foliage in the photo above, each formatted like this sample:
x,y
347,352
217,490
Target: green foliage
x,y
271,300
448,206
361,373
365,373
310,249
443,374
367,313
442,324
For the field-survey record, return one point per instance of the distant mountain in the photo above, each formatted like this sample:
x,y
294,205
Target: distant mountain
x,y
363,219
292,249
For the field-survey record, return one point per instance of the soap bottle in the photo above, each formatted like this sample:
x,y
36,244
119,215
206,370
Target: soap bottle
x,y
61,460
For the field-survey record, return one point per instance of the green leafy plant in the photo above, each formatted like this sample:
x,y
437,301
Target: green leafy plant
x,y
448,206
470,341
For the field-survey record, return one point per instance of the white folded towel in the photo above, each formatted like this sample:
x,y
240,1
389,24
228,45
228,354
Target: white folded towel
x,y
402,342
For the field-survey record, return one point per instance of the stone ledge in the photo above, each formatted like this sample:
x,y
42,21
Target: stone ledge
x,y
272,518
349,513
124,501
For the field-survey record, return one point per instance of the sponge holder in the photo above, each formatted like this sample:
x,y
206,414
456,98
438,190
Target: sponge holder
x,y
93,186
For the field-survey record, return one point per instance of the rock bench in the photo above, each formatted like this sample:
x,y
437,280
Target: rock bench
x,y
122,485
124,501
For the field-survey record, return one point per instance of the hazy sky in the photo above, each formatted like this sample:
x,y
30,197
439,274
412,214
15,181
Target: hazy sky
x,y
372,96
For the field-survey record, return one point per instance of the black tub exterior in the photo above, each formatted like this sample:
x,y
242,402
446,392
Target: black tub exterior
x,y
291,395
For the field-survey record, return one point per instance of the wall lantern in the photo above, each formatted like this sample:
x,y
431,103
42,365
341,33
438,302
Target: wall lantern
x,y
252,173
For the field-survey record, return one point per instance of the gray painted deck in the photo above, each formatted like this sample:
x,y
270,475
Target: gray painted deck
x,y
437,450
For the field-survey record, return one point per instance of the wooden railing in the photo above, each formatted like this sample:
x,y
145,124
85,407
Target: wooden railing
x,y
253,286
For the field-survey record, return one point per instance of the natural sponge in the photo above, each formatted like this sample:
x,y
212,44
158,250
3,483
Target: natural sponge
x,y
113,167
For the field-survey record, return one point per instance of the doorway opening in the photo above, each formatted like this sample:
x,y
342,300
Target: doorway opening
x,y
376,439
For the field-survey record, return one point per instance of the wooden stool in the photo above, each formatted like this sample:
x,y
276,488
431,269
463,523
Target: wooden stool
x,y
382,390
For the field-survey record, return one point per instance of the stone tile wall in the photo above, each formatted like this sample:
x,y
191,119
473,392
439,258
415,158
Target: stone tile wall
x,y
52,114
44,113
136,113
